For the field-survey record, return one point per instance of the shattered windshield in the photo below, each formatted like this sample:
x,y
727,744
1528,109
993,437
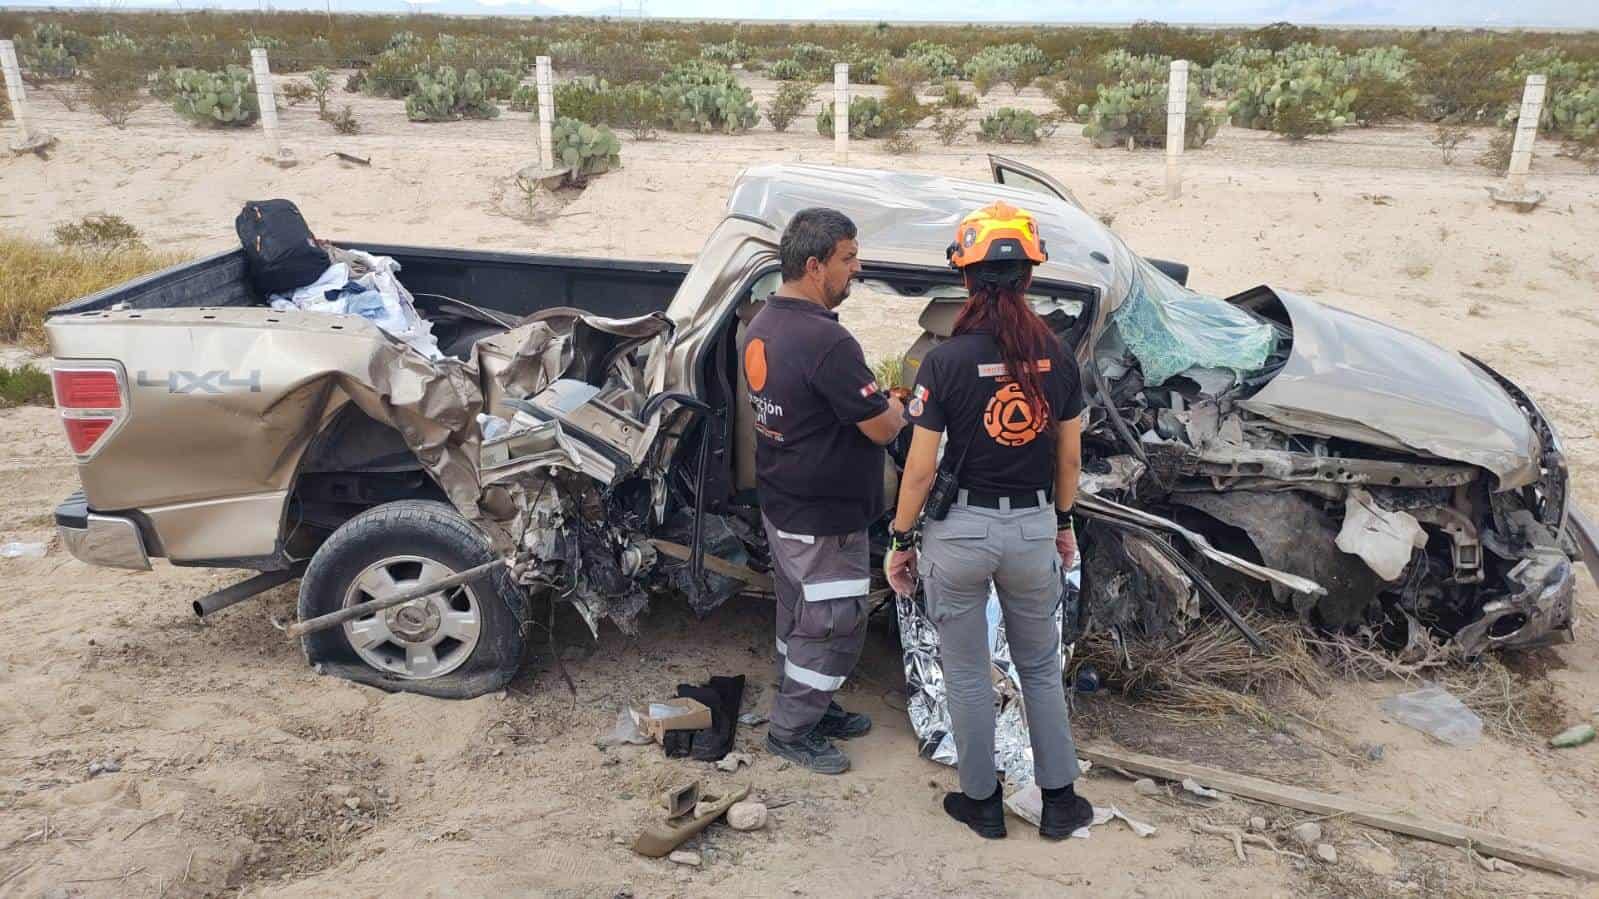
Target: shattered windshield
x,y
1171,329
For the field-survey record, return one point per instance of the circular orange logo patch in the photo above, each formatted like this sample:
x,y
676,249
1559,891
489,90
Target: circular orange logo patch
x,y
755,364
1009,417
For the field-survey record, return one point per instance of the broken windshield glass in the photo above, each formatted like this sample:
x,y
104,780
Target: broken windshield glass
x,y
1171,329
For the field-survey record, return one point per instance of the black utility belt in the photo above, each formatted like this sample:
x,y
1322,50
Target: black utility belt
x,y
1031,499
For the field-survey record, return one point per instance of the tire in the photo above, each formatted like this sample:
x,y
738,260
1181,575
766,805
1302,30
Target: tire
x,y
453,645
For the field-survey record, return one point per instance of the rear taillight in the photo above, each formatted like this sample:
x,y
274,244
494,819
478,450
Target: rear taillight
x,y
92,401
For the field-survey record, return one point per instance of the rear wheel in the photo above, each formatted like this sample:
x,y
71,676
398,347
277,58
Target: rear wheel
x,y
456,643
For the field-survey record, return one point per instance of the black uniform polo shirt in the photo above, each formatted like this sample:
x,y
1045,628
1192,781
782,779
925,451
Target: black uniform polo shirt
x,y
963,387
815,472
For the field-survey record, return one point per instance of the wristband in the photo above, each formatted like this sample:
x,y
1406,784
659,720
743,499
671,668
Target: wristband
x,y
901,540
1063,519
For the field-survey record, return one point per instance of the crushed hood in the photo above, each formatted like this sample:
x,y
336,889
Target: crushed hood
x,y
1358,379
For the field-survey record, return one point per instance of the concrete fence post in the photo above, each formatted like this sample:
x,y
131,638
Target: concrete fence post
x,y
546,113
1526,134
1176,126
266,98
28,137
841,113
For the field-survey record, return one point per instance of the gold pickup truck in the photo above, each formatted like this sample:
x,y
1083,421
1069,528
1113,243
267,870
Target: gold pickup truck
x,y
1356,475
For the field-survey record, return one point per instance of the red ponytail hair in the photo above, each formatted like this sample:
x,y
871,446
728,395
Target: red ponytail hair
x,y
997,304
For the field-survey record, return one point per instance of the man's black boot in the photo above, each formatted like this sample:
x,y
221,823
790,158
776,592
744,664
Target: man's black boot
x,y
1064,812
986,817
811,751
838,724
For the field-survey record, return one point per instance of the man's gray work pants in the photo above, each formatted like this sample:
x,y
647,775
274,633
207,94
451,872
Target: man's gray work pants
x,y
822,584
1015,551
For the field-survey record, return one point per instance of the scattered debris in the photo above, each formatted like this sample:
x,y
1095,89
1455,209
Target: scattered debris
x,y
746,816
732,760
1327,853
685,857
1492,865
350,157
14,550
1239,838
752,719
1257,823
657,718
106,766
1307,834
1353,811
656,840
681,800
1572,736
1435,711
1146,787
1027,804
1374,751
1193,786
627,730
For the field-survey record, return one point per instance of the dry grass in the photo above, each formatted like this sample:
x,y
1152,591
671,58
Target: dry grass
x,y
1209,672
37,276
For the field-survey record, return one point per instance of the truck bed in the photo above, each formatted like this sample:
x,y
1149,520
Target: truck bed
x,y
513,283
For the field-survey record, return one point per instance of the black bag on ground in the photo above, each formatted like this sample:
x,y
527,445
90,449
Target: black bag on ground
x,y
282,254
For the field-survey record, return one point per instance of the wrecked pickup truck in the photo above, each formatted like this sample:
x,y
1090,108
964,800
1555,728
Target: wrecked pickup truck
x,y
1365,476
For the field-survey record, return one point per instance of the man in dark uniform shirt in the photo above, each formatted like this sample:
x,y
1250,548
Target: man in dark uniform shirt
x,y
821,420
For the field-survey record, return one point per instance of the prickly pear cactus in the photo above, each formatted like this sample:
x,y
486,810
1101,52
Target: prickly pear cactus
x,y
1137,111
445,96
223,99
867,118
584,149
1011,126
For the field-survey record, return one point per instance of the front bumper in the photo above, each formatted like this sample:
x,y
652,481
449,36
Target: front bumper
x,y
108,540
1540,613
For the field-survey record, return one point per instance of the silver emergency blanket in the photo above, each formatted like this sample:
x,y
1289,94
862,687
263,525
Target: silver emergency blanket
x,y
928,703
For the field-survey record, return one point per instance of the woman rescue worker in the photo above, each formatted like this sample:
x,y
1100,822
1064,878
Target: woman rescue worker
x,y
1008,397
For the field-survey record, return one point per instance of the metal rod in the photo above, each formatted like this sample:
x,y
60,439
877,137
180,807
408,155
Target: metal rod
x,y
234,594
334,619
1194,574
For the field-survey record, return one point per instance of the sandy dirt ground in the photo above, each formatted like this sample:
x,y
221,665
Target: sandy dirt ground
x,y
242,772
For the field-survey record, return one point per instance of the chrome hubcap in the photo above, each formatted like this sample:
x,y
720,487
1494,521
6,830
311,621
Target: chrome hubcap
x,y
424,638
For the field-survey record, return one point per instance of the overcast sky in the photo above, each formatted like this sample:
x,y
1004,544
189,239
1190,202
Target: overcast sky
x,y
1547,13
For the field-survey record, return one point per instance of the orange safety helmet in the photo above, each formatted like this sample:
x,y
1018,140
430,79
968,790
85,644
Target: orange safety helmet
x,y
999,232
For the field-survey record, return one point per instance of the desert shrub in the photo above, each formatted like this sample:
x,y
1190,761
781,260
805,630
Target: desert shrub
x,y
354,82
585,149
950,126
1121,65
25,385
866,65
726,53
98,232
525,98
905,75
296,92
344,122
939,60
116,75
393,74
36,276
788,70
984,77
626,63
567,54
952,97
1013,64
867,119
1007,125
787,104
902,143
223,99
1496,157
639,108
445,95
1137,111
321,82
811,56
1466,81
902,109
1447,138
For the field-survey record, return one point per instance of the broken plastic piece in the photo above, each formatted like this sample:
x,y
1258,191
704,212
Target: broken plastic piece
x,y
657,840
15,550
1435,711
627,730
1384,539
1572,736
679,801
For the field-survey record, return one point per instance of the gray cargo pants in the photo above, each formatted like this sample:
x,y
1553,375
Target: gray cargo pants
x,y
822,584
1015,550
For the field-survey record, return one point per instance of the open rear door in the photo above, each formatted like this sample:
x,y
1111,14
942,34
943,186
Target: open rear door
x,y
1011,173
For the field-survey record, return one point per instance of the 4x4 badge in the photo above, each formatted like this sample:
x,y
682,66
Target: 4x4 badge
x,y
213,382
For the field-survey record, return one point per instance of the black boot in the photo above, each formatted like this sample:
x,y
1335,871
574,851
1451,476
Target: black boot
x,y
811,751
838,724
1064,812
986,817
